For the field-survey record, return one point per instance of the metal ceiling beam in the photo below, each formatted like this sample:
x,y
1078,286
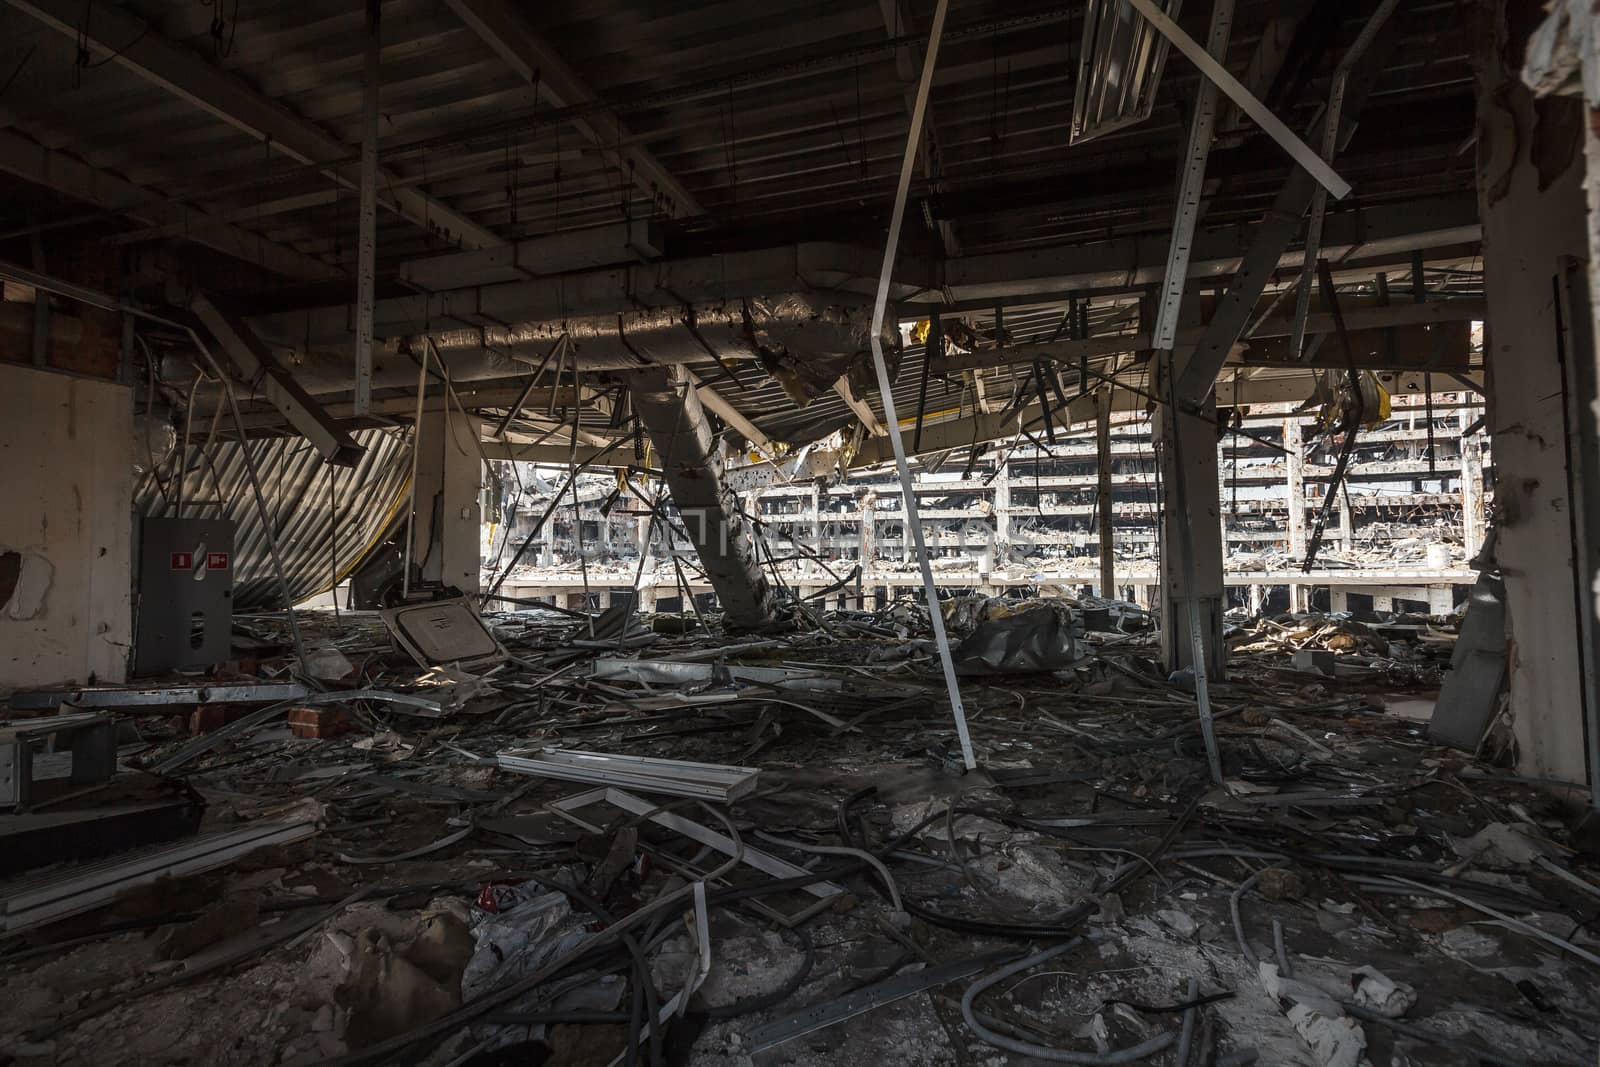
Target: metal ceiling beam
x,y
862,409
472,399
1431,313
1215,72
1277,38
130,42
257,366
907,63
72,177
505,30
718,405
1272,238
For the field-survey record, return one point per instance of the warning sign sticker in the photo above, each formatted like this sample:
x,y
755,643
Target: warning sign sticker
x,y
216,561
183,561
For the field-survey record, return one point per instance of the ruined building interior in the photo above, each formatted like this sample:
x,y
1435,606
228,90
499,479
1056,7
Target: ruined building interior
x,y
742,534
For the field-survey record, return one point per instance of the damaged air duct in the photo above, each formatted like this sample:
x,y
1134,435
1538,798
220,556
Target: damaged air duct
x,y
807,339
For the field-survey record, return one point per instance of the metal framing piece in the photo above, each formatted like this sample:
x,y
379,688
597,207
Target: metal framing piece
x,y
1102,438
120,697
56,896
117,34
1192,183
104,189
1269,123
886,388
1330,147
367,233
705,781
92,756
503,28
822,893
256,364
1271,239
1351,424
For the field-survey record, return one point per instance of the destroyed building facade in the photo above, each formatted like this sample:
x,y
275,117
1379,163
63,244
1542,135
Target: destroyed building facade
x,y
725,534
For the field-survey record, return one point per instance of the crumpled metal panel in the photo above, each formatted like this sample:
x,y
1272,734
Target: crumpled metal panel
x,y
296,484
1119,68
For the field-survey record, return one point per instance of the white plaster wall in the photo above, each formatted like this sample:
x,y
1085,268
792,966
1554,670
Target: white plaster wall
x,y
1530,173
449,467
66,453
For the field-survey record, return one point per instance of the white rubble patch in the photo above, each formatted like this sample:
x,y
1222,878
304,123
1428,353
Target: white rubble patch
x,y
1382,994
1336,1041
33,584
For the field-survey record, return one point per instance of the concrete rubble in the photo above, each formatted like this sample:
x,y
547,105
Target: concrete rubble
x,y
1350,894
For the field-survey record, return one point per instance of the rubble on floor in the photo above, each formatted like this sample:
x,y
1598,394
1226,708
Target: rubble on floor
x,y
614,840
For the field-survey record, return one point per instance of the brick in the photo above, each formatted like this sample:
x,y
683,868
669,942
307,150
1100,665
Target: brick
x,y
319,722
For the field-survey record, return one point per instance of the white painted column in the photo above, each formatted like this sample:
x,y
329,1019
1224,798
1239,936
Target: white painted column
x,y
1295,492
1471,491
449,481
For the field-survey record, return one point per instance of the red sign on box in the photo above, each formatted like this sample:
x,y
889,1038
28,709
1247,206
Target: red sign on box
x,y
216,561
182,561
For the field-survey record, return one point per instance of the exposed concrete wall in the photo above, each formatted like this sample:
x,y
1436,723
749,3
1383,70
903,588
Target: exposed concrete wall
x,y
66,447
1530,187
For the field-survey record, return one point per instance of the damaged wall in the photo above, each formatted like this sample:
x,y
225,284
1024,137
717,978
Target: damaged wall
x,y
1530,186
66,445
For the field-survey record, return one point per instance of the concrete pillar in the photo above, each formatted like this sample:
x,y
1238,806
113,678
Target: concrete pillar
x,y
1295,492
1347,524
1102,444
816,521
1471,492
869,530
1532,205
1186,447
1002,501
445,534
1338,599
1441,599
1382,602
667,404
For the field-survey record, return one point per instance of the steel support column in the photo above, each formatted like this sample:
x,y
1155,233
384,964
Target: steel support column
x,y
367,232
1272,237
1186,448
1295,491
692,463
1103,502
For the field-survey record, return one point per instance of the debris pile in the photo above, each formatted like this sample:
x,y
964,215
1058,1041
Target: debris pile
x,y
534,837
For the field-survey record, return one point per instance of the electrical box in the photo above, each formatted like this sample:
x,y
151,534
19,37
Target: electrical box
x,y
185,594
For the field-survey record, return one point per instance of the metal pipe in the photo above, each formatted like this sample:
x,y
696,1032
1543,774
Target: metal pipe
x,y
1055,1055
